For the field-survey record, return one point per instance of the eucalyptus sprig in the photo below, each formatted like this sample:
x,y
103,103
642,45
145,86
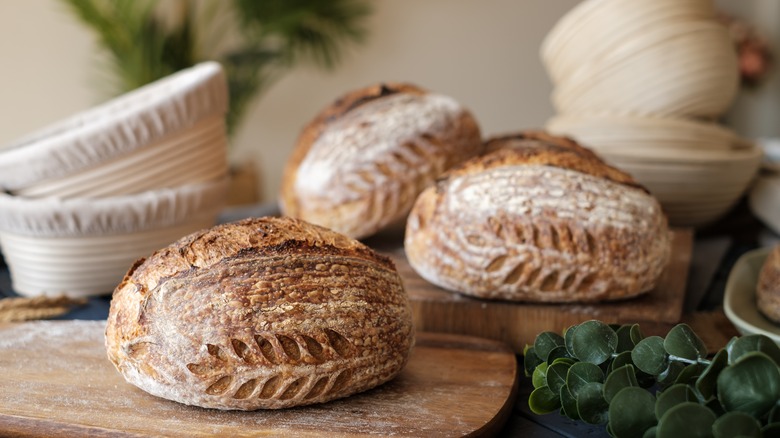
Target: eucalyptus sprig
x,y
656,387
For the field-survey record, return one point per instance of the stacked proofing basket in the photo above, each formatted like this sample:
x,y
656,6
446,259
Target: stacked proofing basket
x,y
643,83
84,198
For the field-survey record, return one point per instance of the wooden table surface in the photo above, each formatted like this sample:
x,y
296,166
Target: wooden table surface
x,y
710,323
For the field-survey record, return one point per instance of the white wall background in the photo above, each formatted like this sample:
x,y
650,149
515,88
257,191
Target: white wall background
x,y
484,53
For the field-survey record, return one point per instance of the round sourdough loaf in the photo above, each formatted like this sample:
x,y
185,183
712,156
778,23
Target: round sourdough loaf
x,y
360,164
768,290
540,219
260,314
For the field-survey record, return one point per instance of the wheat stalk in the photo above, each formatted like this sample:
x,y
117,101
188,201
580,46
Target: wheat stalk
x,y
26,309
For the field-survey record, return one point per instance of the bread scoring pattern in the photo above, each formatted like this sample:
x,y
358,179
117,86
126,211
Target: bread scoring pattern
x,y
274,349
537,233
361,169
285,321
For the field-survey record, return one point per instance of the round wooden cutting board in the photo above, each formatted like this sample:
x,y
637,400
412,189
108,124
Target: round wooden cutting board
x,y
55,380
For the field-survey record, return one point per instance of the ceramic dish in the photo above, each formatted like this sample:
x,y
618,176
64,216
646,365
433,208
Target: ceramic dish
x,y
739,303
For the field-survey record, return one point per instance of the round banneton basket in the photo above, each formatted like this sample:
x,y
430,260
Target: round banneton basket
x,y
599,29
165,134
643,136
83,247
697,170
687,68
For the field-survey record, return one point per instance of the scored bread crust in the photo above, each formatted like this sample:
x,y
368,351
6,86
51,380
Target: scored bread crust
x,y
260,314
768,290
360,164
546,222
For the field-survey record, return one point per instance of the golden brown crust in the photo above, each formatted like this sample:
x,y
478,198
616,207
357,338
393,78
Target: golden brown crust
x,y
338,108
768,290
260,313
393,140
515,224
540,147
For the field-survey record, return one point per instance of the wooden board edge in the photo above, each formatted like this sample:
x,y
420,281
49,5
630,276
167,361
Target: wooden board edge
x,y
497,423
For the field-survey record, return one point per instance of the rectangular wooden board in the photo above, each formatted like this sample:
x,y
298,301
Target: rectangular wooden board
x,y
438,310
55,380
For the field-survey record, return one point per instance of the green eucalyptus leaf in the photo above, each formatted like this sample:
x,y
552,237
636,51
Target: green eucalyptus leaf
x,y
681,341
673,396
556,376
636,334
688,419
751,385
539,377
566,360
625,343
645,380
530,360
730,344
621,359
545,342
568,403
736,424
594,342
705,384
690,373
620,378
749,343
669,376
582,373
650,433
649,355
631,412
591,406
558,352
568,337
715,406
543,401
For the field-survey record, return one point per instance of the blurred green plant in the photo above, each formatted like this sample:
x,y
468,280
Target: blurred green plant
x,y
656,387
256,41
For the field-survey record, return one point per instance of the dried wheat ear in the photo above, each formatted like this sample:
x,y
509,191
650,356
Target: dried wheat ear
x,y
538,219
260,314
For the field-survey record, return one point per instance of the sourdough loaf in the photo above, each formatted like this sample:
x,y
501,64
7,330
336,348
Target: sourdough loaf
x,y
360,164
768,290
260,313
540,219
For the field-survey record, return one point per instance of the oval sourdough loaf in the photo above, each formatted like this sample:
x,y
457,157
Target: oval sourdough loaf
x,y
360,164
768,290
260,313
541,219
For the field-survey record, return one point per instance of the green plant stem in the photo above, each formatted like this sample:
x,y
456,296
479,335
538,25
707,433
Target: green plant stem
x,y
704,362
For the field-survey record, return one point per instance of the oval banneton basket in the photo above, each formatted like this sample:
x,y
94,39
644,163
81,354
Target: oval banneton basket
x,y
83,247
83,198
167,133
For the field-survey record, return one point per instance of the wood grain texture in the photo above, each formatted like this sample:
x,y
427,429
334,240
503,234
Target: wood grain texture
x,y
56,381
437,310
